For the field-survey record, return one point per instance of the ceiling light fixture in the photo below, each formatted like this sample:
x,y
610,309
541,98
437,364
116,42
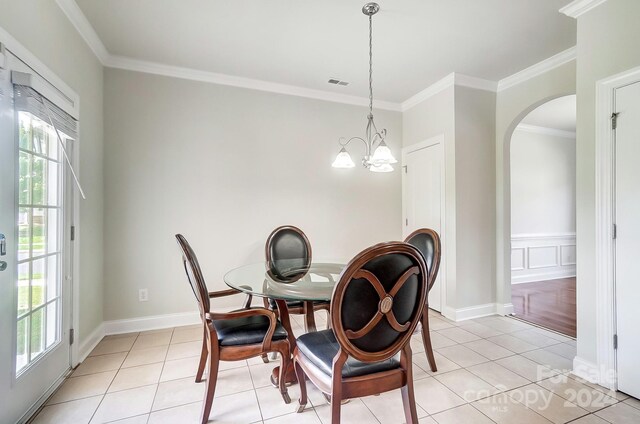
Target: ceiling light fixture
x,y
381,158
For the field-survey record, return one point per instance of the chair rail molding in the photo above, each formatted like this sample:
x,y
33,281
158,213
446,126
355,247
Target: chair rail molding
x,y
580,7
539,257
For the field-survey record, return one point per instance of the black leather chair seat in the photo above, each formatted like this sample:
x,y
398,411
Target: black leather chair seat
x,y
321,347
244,331
295,303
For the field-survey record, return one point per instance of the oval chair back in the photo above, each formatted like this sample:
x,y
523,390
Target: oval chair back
x,y
427,241
378,301
194,275
288,254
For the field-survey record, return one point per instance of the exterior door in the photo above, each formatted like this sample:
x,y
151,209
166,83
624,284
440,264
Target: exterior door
x,y
34,282
423,196
627,243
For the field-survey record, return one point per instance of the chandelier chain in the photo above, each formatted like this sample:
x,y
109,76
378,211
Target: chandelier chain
x,y
370,65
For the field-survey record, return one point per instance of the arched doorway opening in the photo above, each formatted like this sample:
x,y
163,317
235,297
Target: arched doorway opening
x,y
542,175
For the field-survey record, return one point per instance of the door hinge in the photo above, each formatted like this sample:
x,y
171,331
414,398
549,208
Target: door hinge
x,y
614,120
615,231
73,232
406,221
405,168
72,336
615,341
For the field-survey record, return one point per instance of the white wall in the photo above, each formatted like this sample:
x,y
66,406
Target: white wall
x,y
225,166
475,201
466,117
607,44
543,206
543,184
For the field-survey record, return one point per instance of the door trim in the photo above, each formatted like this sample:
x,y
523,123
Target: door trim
x,y
605,370
442,272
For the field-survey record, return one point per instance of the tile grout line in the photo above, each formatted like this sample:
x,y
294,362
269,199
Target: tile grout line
x,y
160,376
104,395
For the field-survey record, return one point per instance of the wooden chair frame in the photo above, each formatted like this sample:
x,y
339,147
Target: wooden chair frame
x,y
433,274
340,388
212,353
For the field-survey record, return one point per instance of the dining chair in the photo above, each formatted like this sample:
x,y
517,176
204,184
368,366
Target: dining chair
x,y
427,241
231,336
375,307
288,248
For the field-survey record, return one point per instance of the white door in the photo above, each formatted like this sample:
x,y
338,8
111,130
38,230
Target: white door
x,y
627,243
34,296
423,198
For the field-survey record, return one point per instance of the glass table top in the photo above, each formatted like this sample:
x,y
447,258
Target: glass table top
x,y
288,280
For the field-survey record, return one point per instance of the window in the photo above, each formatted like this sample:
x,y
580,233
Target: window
x,y
40,223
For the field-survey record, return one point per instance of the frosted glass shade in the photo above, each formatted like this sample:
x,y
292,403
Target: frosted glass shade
x,y
384,167
382,155
343,160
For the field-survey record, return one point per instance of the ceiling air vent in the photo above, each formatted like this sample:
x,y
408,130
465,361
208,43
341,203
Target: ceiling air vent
x,y
337,82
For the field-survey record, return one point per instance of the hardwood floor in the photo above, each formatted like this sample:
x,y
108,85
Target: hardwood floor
x,y
550,304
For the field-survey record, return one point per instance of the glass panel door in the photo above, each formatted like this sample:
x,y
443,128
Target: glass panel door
x,y
40,182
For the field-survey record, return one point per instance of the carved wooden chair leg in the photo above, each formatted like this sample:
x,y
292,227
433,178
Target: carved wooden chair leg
x,y
203,358
302,381
426,338
285,355
336,404
409,403
265,358
212,378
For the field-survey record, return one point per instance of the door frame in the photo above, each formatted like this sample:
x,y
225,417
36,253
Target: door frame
x,y
605,371
442,272
61,94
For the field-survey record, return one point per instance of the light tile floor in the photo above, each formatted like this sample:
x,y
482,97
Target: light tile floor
x,y
491,370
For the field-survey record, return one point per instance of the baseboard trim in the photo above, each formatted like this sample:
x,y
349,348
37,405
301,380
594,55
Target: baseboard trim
x,y
154,322
471,312
589,371
505,309
90,342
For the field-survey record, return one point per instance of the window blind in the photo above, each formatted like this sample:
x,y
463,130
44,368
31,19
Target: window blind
x,y
27,99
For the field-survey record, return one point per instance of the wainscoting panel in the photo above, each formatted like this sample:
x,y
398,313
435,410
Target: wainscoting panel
x,y
537,257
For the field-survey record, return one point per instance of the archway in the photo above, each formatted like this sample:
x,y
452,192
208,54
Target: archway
x,y
540,206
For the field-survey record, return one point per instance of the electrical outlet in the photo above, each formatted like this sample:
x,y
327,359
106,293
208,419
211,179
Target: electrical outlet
x,y
143,295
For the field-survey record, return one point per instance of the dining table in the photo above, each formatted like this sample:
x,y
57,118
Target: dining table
x,y
287,280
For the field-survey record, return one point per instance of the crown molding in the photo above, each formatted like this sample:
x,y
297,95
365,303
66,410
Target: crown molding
x,y
84,28
450,80
428,92
538,69
580,7
130,64
90,36
463,80
546,131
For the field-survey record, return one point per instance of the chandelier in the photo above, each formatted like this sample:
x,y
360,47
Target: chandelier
x,y
377,157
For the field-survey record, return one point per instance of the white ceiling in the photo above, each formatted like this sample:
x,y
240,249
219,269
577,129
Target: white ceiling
x,y
304,43
559,114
